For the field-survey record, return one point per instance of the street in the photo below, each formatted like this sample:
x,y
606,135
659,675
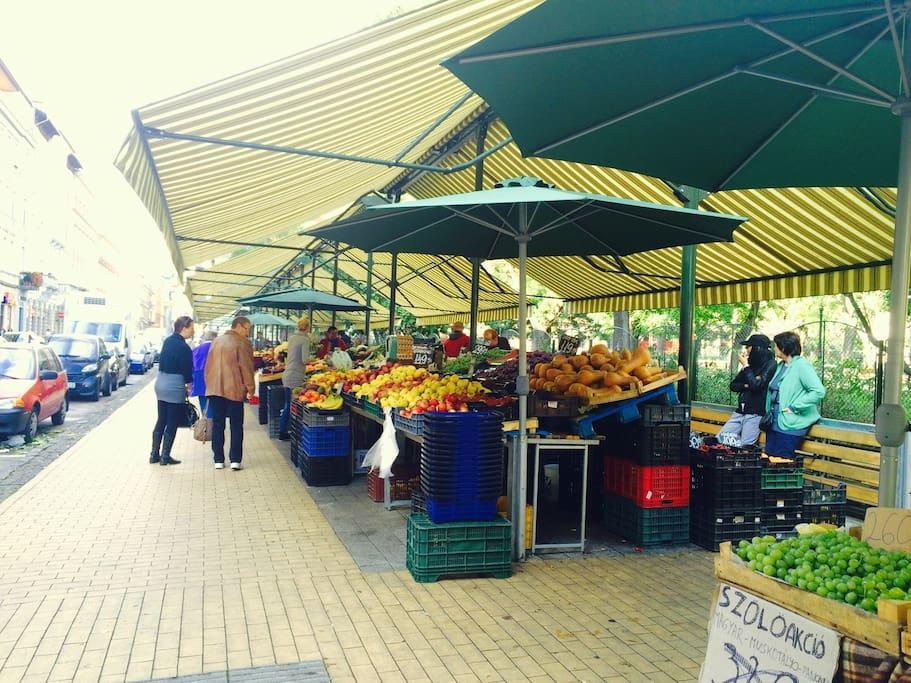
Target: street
x,y
20,464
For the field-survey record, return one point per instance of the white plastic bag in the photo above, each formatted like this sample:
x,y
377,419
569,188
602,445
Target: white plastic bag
x,y
386,449
340,360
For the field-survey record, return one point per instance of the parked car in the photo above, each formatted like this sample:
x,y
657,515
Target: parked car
x,y
141,360
89,364
33,387
23,338
117,339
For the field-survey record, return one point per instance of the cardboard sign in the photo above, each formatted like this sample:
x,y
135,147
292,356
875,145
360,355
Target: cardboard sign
x,y
423,355
568,345
888,528
752,639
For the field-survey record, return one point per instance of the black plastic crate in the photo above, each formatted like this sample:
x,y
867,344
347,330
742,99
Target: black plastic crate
x,y
543,404
709,531
727,456
817,493
418,503
327,471
645,526
782,519
794,462
315,417
825,513
276,398
725,487
655,414
782,498
663,444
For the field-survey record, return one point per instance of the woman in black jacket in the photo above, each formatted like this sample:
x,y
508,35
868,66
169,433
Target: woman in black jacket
x,y
752,385
175,375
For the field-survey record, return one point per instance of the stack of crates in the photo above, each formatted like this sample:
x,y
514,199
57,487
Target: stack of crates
x,y
646,477
325,447
276,400
782,495
725,498
824,504
458,549
294,429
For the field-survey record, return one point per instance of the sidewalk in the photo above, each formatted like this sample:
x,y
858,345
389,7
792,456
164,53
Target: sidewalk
x,y
114,569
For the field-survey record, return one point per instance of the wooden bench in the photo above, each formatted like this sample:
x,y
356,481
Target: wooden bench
x,y
833,453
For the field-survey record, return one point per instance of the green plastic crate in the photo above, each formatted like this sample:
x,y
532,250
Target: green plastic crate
x,y
646,526
458,548
782,479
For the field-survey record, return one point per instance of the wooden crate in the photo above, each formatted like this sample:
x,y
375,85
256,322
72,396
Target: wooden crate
x,y
850,621
673,379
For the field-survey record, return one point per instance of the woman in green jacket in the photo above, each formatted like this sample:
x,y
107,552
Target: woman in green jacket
x,y
795,393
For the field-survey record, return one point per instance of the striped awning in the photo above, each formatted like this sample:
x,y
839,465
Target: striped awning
x,y
371,94
484,317
798,242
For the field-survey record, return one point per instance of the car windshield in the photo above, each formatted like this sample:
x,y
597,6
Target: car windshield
x,y
74,348
17,364
110,332
13,336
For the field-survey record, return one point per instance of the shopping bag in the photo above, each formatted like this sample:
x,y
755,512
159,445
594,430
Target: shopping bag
x,y
202,430
386,449
190,415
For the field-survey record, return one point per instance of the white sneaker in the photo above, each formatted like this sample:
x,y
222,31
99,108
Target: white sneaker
x,y
219,466
236,466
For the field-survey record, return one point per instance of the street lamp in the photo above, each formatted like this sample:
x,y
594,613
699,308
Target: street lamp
x,y
879,328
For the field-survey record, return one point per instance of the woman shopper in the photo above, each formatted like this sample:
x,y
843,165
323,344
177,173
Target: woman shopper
x,y
200,354
175,375
752,386
795,393
295,369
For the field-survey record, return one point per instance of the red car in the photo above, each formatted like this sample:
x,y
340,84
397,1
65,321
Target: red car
x,y
33,387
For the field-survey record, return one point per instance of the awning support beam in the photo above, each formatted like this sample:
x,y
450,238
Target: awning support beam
x,y
433,126
258,245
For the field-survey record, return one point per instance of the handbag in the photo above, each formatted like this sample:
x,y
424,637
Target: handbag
x,y
767,421
191,415
202,430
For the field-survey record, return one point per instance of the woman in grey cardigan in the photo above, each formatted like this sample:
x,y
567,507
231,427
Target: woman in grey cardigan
x,y
295,369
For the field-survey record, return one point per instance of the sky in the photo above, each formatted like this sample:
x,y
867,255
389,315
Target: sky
x,y
89,63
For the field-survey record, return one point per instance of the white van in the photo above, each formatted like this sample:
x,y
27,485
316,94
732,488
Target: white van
x,y
116,336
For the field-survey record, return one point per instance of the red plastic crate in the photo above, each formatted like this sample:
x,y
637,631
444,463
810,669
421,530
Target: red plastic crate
x,y
403,481
649,486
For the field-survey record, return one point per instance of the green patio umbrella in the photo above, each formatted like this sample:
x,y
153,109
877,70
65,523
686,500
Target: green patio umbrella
x,y
526,217
303,298
269,319
720,94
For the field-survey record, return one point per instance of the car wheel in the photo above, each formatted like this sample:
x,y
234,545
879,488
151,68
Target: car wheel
x,y
114,384
31,429
58,417
94,397
106,390
125,378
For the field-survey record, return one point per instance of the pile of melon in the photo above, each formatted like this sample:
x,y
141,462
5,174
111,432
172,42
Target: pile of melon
x,y
601,369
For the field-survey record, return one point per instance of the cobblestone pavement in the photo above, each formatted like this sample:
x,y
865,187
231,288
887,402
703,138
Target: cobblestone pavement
x,y
18,465
112,569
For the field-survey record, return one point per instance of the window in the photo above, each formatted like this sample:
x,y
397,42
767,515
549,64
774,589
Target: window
x,y
17,363
55,361
66,347
44,361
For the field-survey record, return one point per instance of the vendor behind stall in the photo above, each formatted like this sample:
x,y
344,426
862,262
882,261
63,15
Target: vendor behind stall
x,y
494,341
330,343
457,341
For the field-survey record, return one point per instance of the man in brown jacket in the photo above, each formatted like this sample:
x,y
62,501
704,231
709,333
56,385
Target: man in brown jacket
x,y
229,381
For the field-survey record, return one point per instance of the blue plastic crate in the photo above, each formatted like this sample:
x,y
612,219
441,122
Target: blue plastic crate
x,y
467,509
324,442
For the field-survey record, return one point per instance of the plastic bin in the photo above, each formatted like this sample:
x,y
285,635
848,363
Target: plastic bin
x,y
403,482
774,499
457,549
647,486
331,471
783,478
461,509
314,417
721,486
646,526
661,444
412,425
654,414
545,405
325,442
710,530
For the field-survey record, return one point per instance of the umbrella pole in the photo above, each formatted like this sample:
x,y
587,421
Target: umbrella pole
x,y
889,469
519,476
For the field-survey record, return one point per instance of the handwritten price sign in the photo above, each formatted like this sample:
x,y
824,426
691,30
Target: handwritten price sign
x,y
888,528
568,345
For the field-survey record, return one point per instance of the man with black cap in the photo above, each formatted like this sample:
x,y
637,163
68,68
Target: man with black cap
x,y
751,385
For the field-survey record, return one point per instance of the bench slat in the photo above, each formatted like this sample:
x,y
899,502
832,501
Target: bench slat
x,y
842,471
847,454
861,494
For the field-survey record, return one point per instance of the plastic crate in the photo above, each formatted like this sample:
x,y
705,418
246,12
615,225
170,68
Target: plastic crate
x,y
709,530
314,417
662,444
437,550
336,471
646,526
325,442
722,486
276,396
817,493
654,414
781,519
794,462
372,408
412,425
403,482
773,499
418,504
784,478
542,404
825,513
647,486
460,509
351,399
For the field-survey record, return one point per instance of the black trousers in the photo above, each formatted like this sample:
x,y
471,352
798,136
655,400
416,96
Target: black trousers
x,y
224,410
169,416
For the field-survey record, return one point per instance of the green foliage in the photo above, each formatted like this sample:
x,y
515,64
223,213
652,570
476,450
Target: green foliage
x,y
712,386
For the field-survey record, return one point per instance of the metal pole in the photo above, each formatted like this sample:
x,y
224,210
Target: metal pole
x,y
519,464
686,356
878,380
335,280
893,374
393,285
475,288
369,295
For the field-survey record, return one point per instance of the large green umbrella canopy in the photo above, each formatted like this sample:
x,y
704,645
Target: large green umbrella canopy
x,y
269,319
303,298
522,217
720,94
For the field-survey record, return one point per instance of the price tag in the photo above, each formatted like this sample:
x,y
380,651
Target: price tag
x,y
423,355
480,349
888,528
568,345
